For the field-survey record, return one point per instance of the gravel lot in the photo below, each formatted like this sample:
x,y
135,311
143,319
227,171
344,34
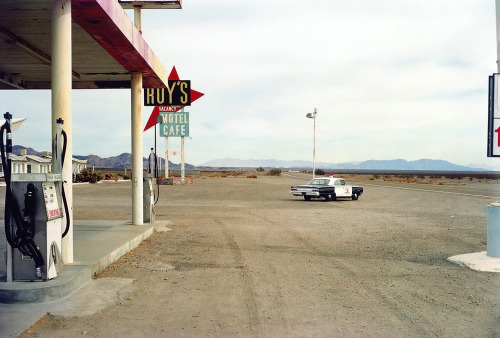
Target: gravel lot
x,y
245,258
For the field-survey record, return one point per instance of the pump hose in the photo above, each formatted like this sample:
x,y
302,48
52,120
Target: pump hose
x,y
65,202
28,220
156,179
154,170
14,240
8,192
35,253
21,240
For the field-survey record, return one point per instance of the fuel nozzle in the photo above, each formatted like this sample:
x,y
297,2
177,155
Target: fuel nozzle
x,y
8,144
7,116
29,200
29,209
57,148
152,160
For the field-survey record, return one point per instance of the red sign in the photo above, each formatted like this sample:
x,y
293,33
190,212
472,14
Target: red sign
x,y
168,109
153,119
54,213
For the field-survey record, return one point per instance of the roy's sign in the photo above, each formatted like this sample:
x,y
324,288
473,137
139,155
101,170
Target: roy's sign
x,y
153,95
174,124
178,93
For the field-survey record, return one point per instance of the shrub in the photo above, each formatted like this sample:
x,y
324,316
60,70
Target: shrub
x,y
110,177
125,176
319,172
275,172
260,169
87,175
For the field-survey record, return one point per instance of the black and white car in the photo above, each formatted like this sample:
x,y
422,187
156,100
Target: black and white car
x,y
329,188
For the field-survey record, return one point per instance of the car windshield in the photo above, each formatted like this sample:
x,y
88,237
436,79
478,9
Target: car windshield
x,y
318,181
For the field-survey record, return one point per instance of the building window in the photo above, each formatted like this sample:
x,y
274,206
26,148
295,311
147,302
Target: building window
x,y
29,168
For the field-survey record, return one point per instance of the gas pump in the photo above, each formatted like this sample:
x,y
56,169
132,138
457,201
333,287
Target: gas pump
x,y
33,218
149,200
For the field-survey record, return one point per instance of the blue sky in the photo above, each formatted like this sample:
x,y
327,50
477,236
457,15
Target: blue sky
x,y
390,79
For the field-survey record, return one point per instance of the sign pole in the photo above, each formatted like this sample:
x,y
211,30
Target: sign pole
x,y
182,160
166,157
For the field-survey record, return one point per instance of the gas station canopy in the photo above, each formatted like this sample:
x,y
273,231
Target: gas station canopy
x,y
151,4
106,46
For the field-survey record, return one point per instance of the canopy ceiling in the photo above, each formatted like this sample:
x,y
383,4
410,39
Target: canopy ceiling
x,y
106,46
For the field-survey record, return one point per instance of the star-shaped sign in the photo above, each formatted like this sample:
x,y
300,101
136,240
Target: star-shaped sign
x,y
153,119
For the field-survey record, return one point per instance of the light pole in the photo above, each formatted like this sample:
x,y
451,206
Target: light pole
x,y
313,116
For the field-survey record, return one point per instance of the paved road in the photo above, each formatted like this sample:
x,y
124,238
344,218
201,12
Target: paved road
x,y
458,187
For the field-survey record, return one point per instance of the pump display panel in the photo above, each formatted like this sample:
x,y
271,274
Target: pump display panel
x,y
52,204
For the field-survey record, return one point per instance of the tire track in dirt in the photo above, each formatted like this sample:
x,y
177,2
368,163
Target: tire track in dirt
x,y
247,281
398,309
279,300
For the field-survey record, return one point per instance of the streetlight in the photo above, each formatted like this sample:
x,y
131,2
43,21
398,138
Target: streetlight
x,y
313,116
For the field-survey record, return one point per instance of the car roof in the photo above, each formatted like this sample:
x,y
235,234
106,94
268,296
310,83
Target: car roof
x,y
331,178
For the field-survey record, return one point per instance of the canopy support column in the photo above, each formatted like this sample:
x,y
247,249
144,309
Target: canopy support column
x,y
61,105
137,165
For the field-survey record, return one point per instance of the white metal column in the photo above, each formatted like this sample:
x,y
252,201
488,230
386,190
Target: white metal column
x,y
61,104
314,146
493,210
137,165
183,168
166,157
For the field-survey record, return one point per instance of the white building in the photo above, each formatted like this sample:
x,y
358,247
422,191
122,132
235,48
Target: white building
x,y
19,164
78,165
35,164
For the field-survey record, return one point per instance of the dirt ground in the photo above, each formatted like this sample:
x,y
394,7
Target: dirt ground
x,y
245,258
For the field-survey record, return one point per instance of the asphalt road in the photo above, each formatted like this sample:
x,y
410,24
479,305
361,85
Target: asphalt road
x,y
245,258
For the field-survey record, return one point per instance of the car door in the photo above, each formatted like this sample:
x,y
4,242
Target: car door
x,y
342,189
